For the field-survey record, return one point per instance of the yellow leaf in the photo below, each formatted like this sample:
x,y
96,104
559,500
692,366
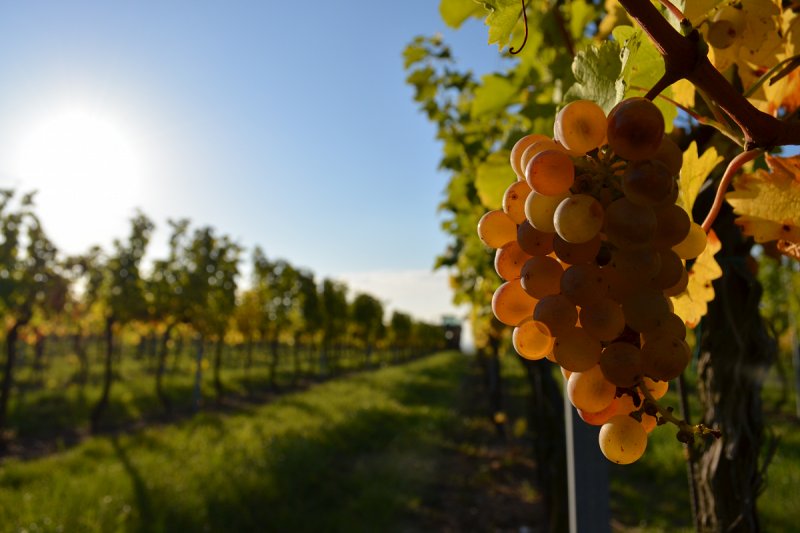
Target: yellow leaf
x,y
694,172
692,304
683,93
768,203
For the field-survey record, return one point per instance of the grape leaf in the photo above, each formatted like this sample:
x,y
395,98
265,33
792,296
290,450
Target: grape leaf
x,y
503,16
768,203
493,177
694,172
615,16
455,12
683,93
596,72
494,93
692,304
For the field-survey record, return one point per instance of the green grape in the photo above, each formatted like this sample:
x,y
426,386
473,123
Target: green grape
x,y
628,225
621,363
514,201
519,148
664,358
645,310
532,340
581,126
511,304
623,440
509,260
694,243
532,240
635,129
584,284
539,210
575,253
669,154
590,391
672,226
541,276
603,320
558,313
576,350
550,172
578,219
647,183
495,229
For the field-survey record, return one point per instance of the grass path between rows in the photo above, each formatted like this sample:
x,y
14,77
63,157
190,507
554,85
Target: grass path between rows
x,y
355,454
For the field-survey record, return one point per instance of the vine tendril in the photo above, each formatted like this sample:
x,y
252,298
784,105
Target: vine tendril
x,y
525,39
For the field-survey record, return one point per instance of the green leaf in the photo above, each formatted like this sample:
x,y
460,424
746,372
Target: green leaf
x,y
494,93
414,53
493,178
503,16
580,14
694,172
642,67
596,72
455,12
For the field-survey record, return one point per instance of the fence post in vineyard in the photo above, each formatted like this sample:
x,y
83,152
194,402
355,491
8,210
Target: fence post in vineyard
x,y
587,476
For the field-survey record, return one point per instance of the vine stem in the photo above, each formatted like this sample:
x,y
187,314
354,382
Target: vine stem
x,y
666,414
733,167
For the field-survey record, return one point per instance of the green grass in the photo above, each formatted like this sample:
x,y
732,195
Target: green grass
x,y
349,455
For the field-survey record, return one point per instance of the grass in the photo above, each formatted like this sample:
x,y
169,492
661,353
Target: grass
x,y
349,455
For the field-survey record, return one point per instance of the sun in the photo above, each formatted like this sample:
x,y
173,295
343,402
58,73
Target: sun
x,y
87,169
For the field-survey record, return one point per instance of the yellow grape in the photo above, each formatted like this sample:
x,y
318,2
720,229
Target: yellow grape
x,y
532,340
621,363
590,390
664,358
550,172
625,406
539,146
623,440
629,225
514,201
672,226
578,218
601,417
575,253
670,272
511,304
647,183
584,284
694,243
603,320
519,147
539,210
581,126
533,241
619,287
645,310
508,261
635,129
637,266
541,276
672,325
679,287
495,229
576,350
558,313
657,389
669,154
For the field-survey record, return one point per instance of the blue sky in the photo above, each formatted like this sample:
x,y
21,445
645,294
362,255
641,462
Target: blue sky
x,y
284,124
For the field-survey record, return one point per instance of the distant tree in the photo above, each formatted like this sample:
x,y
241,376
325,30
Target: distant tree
x,y
400,330
367,318
334,319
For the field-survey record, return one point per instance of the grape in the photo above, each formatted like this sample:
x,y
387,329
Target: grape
x,y
601,417
657,389
519,147
511,304
625,407
558,313
532,340
550,172
635,129
537,147
578,219
514,201
669,154
672,325
623,440
539,210
679,287
574,253
647,183
566,373
495,229
576,350
694,243
670,272
532,240
584,284
665,357
619,287
581,126
629,225
590,391
541,276
637,266
672,226
603,320
621,363
508,261
645,310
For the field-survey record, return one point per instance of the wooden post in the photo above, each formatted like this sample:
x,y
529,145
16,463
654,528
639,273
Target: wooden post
x,y
587,476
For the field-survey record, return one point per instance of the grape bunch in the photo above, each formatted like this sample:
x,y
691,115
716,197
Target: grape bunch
x,y
591,246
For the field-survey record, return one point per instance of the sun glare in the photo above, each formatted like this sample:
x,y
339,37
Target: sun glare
x,y
87,171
